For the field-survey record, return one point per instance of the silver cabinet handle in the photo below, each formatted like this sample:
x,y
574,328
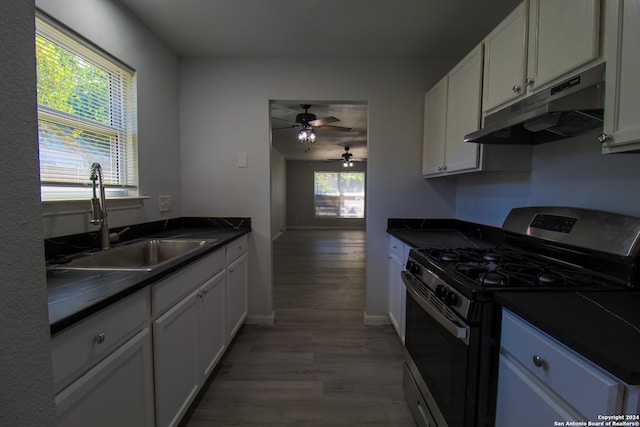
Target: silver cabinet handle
x,y
100,338
444,167
516,89
528,82
439,168
603,138
538,361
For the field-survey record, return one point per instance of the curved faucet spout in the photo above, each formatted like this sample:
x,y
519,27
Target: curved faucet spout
x,y
99,205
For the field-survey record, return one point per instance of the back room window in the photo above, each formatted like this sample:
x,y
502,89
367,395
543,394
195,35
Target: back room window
x,y
339,194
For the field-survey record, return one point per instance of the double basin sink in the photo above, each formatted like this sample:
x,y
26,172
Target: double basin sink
x,y
141,255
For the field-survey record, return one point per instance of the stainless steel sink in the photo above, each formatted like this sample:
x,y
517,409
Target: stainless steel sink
x,y
144,255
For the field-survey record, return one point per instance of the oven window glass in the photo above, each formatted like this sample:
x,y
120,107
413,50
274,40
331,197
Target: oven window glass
x,y
441,359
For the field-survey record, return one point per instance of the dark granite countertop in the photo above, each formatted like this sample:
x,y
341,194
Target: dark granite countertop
x,y
75,295
453,233
603,326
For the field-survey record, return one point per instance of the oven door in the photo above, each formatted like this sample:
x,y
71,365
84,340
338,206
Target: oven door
x,y
438,345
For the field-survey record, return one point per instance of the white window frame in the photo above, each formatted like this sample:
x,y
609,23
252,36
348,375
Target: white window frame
x,y
121,131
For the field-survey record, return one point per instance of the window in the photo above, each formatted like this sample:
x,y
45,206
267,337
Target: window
x,y
86,114
339,194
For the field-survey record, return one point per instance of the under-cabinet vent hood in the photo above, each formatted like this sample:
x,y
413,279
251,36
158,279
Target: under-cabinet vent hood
x,y
568,109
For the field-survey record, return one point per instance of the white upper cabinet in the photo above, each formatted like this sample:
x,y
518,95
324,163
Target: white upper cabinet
x,y
505,60
538,44
463,104
452,110
563,35
622,109
435,122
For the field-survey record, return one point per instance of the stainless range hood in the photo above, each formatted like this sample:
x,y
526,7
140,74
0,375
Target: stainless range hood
x,y
567,109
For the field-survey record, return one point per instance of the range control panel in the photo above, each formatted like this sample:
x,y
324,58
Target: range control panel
x,y
561,224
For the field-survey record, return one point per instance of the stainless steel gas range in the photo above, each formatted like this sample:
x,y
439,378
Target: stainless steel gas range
x,y
452,336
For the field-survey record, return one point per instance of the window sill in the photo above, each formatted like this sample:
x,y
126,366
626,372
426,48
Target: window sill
x,y
80,206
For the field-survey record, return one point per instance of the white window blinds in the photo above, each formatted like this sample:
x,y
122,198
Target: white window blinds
x,y
86,114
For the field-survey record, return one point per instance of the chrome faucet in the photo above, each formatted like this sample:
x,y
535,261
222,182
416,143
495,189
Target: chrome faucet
x,y
99,206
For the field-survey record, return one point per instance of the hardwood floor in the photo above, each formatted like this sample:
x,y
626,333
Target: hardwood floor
x,y
318,365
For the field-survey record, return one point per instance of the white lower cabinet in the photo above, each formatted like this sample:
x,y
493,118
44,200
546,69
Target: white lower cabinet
x,y
118,391
237,278
213,319
541,381
398,252
175,339
196,312
189,339
102,367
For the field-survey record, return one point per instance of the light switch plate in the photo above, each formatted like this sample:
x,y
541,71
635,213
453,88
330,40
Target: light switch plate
x,y
166,203
243,161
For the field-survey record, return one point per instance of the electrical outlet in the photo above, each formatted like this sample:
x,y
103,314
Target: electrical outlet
x,y
166,204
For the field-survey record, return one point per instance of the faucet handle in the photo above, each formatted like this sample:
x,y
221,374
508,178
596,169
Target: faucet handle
x,y
114,237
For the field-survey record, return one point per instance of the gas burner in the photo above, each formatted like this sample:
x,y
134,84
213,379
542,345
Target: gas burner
x,y
492,256
494,278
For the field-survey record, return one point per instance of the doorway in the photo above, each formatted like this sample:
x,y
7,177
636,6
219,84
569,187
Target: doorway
x,y
300,198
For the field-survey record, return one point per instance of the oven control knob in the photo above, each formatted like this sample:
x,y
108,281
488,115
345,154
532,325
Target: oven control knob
x,y
415,268
441,291
450,298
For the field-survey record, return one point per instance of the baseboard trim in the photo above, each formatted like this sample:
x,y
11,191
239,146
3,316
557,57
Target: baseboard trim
x,y
332,227
376,320
261,319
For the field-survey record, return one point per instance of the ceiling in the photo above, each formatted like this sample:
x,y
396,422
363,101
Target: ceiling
x,y
423,29
430,29
330,144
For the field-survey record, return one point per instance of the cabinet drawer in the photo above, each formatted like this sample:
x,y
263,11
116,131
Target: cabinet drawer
x,y
583,385
236,248
168,291
76,349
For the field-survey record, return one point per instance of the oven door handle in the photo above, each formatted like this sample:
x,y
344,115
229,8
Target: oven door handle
x,y
454,328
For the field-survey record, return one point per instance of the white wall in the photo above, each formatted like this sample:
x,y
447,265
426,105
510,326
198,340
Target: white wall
x,y
114,29
26,380
224,110
570,172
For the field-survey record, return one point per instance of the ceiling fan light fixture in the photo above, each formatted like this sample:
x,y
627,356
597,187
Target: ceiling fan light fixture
x,y
306,135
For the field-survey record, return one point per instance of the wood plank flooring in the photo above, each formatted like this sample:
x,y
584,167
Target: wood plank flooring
x,y
318,365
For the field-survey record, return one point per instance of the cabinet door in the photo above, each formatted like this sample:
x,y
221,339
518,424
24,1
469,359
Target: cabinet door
x,y
177,373
563,35
435,119
505,60
621,124
237,282
396,295
213,322
118,391
463,112
521,401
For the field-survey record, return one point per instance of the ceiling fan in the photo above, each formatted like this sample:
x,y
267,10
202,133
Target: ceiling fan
x,y
346,158
309,122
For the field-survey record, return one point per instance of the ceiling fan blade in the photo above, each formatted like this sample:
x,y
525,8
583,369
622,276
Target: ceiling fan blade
x,y
325,121
284,120
286,127
331,127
